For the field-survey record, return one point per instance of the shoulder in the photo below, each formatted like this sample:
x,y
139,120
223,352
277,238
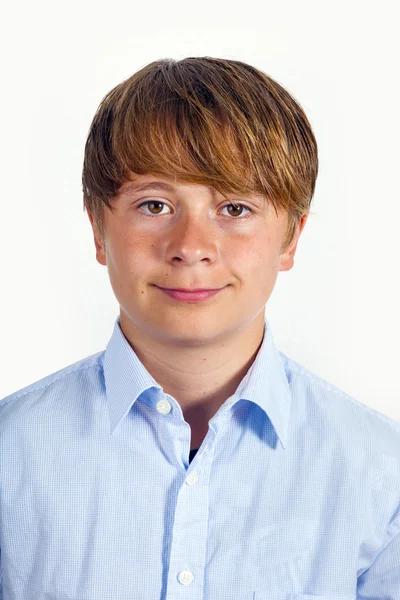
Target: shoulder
x,y
333,408
58,385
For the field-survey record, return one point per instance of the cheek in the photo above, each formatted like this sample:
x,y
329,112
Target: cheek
x,y
259,256
127,254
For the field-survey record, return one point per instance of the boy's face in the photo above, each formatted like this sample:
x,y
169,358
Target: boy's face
x,y
195,239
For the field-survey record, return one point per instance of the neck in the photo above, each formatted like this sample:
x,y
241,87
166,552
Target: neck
x,y
202,377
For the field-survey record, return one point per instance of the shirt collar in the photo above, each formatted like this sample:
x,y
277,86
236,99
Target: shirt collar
x,y
265,383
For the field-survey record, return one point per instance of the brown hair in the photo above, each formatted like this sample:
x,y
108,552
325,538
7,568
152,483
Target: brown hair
x,y
204,120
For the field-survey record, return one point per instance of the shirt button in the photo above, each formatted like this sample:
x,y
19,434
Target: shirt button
x,y
192,478
163,406
185,577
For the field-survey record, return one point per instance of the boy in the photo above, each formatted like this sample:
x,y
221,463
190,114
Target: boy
x,y
191,459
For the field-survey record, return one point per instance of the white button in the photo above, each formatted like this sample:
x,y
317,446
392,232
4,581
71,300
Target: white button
x,y
185,577
192,478
163,406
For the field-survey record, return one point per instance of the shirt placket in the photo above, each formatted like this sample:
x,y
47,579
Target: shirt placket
x,y
187,560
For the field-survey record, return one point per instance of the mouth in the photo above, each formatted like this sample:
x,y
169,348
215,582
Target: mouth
x,y
185,295
187,291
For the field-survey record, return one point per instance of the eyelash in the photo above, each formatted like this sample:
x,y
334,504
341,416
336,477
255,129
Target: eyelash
x,y
247,216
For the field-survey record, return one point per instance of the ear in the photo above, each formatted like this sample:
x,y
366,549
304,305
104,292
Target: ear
x,y
98,242
286,260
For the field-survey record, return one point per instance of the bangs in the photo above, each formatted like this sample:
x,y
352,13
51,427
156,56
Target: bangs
x,y
186,132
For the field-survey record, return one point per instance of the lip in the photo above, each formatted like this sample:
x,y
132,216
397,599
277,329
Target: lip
x,y
183,295
191,291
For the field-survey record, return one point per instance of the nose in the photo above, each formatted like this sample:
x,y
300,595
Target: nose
x,y
193,239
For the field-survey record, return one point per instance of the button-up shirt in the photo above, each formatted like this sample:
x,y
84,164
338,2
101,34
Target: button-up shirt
x,y
294,493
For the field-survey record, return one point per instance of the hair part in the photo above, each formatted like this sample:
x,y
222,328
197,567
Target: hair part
x,y
203,120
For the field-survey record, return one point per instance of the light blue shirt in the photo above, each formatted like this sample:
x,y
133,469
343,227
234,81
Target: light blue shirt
x,y
294,493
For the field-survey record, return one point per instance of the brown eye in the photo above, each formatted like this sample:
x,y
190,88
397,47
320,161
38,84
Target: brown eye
x,y
237,209
158,206
155,207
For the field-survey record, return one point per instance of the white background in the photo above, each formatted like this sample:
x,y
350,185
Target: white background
x,y
337,311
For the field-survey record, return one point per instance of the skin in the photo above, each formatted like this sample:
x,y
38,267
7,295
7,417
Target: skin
x,y
199,352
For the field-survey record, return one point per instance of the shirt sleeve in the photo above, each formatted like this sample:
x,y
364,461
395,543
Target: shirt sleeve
x,y
381,581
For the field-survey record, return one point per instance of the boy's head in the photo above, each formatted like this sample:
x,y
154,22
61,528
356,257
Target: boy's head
x,y
222,134
203,120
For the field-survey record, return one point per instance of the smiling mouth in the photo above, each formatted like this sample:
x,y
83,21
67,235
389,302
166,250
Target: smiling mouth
x,y
187,291
191,296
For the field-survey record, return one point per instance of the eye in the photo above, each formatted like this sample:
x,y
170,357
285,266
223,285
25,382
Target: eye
x,y
238,207
157,206
157,203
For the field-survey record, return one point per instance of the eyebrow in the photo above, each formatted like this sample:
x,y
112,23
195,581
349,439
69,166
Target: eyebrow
x,y
131,188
